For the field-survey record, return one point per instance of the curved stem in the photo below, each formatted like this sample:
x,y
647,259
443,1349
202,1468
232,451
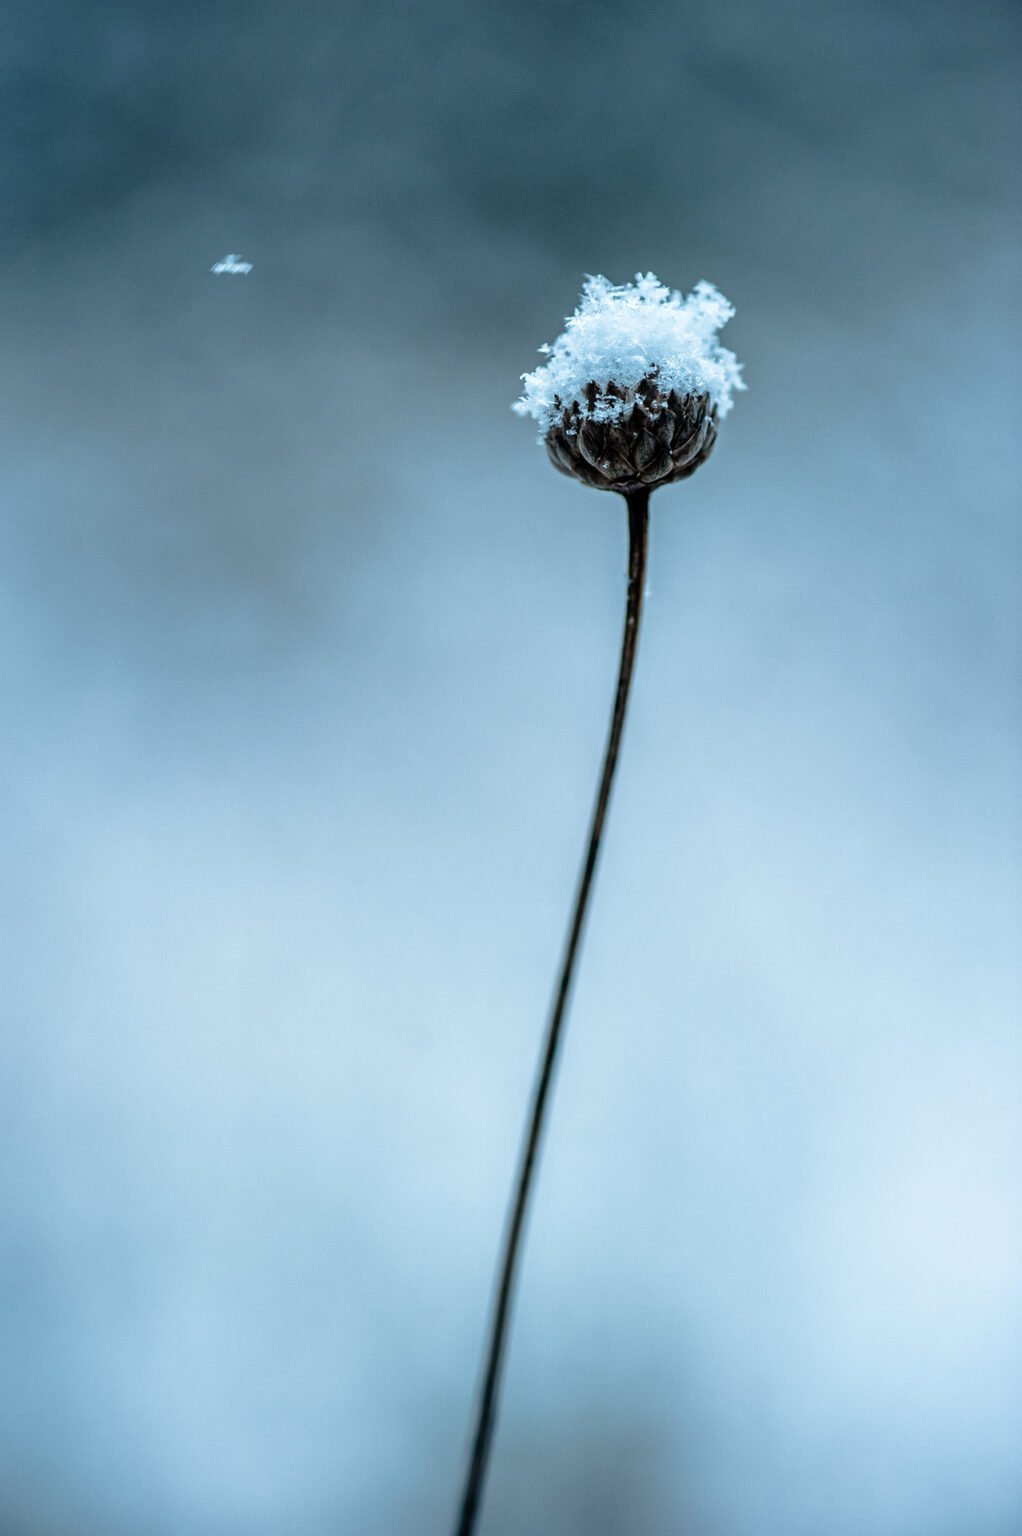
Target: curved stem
x,y
638,529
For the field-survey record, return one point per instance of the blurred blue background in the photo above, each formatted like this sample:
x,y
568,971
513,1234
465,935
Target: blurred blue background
x,y
306,660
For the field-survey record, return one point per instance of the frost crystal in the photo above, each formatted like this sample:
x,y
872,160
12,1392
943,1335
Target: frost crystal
x,y
623,335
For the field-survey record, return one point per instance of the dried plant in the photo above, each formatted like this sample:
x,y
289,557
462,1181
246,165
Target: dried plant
x,y
629,399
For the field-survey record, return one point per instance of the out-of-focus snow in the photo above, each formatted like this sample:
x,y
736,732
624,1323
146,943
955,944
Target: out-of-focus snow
x,y
623,334
231,263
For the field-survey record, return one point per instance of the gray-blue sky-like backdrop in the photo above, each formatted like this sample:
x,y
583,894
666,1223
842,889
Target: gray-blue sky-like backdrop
x,y
306,657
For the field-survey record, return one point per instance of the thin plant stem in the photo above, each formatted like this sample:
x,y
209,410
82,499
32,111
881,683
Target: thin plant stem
x,y
638,535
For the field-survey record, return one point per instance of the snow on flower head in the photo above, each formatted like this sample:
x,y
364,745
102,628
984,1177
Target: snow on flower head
x,y
625,334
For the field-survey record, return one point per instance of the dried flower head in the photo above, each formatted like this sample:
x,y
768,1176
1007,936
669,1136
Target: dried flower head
x,y
632,390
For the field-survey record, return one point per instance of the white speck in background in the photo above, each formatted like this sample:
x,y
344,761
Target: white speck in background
x,y
232,263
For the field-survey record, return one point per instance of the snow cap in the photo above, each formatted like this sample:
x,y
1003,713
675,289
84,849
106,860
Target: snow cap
x,y
624,334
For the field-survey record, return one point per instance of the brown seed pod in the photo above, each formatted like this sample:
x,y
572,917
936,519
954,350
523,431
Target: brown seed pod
x,y
654,439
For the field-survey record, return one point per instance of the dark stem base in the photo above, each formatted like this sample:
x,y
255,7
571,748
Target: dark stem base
x,y
638,537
